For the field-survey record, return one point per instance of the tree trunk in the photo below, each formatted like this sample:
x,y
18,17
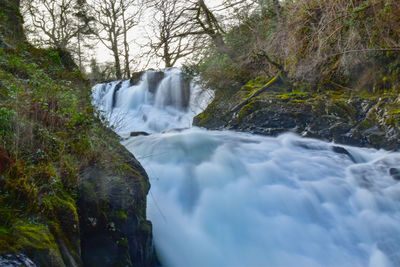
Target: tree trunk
x,y
79,51
127,70
167,57
117,63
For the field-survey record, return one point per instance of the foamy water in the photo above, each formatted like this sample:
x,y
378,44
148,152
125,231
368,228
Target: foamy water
x,y
221,198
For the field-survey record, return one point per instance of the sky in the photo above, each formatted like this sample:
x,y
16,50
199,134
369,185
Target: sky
x,y
138,36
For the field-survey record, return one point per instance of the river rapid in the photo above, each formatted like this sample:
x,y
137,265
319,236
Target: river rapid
x,y
223,198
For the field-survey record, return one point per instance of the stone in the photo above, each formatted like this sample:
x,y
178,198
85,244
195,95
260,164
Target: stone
x,y
342,150
132,134
395,173
18,260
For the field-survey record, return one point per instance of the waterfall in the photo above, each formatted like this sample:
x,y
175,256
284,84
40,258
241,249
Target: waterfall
x,y
222,198
161,100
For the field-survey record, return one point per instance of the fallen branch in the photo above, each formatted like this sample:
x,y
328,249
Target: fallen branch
x,y
258,92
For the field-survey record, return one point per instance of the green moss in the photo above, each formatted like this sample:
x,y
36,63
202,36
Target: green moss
x,y
247,109
59,207
128,169
42,181
145,227
120,214
28,236
365,124
206,115
394,111
293,95
123,242
342,109
34,236
392,115
255,83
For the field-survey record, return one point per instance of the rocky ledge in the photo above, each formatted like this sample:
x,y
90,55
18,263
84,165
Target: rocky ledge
x,y
339,114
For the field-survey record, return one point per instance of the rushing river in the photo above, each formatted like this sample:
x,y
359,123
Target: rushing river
x,y
222,198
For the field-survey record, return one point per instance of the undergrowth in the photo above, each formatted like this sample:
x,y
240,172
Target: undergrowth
x,y
49,132
314,44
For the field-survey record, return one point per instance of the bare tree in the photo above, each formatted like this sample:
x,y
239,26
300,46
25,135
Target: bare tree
x,y
115,19
61,24
204,21
54,22
170,25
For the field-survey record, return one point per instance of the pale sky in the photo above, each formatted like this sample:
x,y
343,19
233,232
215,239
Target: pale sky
x,y
136,38
138,35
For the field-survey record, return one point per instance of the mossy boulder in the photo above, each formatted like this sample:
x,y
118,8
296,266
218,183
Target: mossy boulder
x,y
113,216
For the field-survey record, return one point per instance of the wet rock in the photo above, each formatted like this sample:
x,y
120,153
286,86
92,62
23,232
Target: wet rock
x,y
132,134
185,92
116,89
136,76
395,173
112,205
153,79
342,150
344,120
19,260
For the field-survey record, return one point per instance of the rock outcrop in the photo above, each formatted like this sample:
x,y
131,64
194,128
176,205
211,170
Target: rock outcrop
x,y
112,215
342,116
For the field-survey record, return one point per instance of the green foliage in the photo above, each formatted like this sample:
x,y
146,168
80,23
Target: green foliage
x,y
247,109
317,43
49,132
6,116
54,56
219,71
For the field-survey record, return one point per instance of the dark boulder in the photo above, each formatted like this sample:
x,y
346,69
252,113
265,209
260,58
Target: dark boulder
x,y
153,79
395,173
116,89
112,213
135,78
132,134
342,150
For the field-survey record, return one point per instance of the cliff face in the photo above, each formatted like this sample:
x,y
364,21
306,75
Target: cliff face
x,y
114,229
70,194
339,115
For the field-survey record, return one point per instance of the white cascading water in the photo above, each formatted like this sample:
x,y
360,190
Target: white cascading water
x,y
154,104
221,198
